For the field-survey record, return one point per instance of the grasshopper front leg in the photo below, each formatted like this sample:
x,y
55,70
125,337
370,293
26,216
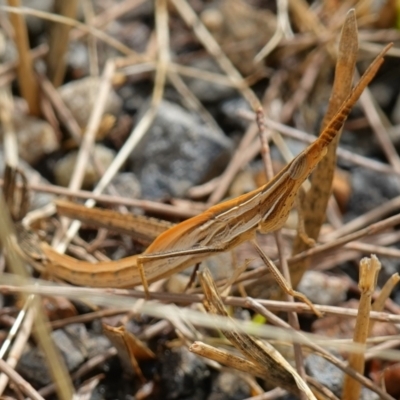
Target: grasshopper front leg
x,y
282,282
195,251
204,251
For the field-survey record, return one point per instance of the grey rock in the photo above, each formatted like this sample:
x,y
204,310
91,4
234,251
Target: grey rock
x,y
80,97
326,373
133,34
90,344
36,138
332,377
32,366
321,289
96,344
229,386
65,165
370,189
183,375
206,90
78,58
230,108
177,153
127,185
75,344
69,348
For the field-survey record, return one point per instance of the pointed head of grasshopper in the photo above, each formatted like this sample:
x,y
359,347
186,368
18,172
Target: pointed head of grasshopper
x,y
305,162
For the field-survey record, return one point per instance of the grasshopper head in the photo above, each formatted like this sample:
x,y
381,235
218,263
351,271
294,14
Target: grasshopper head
x,y
306,161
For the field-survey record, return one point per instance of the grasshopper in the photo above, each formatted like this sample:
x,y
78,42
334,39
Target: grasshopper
x,y
218,229
226,225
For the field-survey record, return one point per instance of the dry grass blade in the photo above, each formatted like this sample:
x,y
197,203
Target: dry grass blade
x,y
147,205
141,228
108,15
28,84
15,350
342,153
92,127
130,349
17,198
276,368
324,248
225,358
58,41
384,294
21,383
369,270
283,29
143,125
373,115
316,200
56,364
73,22
370,230
189,16
317,349
9,135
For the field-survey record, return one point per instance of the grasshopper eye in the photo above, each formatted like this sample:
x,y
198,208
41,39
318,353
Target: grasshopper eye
x,y
298,167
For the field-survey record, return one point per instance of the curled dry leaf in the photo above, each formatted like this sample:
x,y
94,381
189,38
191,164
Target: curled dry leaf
x,y
130,349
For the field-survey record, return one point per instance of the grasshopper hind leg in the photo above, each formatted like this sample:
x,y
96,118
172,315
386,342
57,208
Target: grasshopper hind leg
x,y
143,278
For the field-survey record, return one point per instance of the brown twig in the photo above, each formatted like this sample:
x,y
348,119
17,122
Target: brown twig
x,y
28,85
369,270
58,41
105,297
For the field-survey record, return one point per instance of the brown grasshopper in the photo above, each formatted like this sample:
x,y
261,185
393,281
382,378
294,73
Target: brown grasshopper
x,y
218,229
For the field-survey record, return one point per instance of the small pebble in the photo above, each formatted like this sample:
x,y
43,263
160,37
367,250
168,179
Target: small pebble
x,y
81,95
64,166
69,348
230,109
36,137
75,343
127,185
322,288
